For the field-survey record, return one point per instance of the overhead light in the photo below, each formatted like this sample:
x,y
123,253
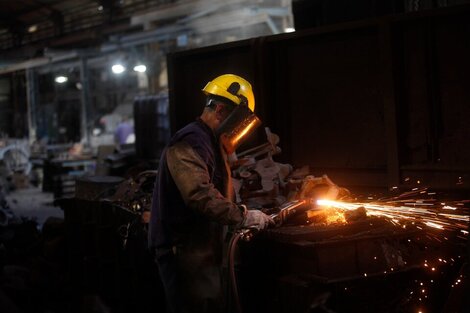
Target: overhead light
x,y
140,68
118,68
289,29
61,79
100,8
32,28
96,132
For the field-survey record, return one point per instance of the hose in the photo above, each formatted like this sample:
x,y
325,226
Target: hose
x,y
285,211
231,267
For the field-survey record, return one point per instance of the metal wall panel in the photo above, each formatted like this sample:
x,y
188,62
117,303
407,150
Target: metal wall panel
x,y
380,102
435,96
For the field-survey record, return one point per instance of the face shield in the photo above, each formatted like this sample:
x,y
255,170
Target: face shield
x,y
236,127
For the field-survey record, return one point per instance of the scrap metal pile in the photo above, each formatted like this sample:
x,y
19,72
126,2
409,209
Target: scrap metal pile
x,y
403,252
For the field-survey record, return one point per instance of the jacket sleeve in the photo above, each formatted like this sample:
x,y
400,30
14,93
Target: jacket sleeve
x,y
191,176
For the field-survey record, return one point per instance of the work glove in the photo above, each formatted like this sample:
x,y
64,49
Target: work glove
x,y
257,219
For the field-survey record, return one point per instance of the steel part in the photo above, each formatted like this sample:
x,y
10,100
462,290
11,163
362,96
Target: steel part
x,y
371,225
135,194
262,182
319,187
269,147
285,211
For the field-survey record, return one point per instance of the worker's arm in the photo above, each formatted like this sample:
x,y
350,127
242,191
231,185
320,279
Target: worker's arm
x,y
191,176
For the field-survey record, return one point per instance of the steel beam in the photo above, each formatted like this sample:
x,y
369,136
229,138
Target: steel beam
x,y
31,95
85,101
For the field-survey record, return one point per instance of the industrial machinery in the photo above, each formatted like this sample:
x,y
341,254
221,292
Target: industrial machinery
x,y
331,250
15,157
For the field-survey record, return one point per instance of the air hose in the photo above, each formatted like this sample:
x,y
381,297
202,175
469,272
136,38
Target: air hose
x,y
245,234
231,268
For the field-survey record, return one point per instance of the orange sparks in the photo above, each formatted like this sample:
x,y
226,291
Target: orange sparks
x,y
418,211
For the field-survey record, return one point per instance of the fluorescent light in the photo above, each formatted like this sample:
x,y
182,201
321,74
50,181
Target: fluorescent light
x,y
118,68
32,28
61,79
289,30
140,68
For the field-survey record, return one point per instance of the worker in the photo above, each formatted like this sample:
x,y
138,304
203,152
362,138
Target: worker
x,y
192,199
124,132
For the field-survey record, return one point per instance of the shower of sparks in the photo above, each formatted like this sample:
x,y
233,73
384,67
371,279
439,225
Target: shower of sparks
x,y
418,212
419,209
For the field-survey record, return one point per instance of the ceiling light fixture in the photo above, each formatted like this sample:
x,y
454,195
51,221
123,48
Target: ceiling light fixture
x,y
32,28
118,68
140,68
61,79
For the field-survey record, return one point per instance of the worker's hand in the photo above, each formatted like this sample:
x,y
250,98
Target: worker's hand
x,y
257,219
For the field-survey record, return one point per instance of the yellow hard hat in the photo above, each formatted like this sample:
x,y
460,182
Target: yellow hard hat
x,y
232,87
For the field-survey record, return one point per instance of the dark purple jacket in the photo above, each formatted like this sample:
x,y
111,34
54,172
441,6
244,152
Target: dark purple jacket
x,y
196,217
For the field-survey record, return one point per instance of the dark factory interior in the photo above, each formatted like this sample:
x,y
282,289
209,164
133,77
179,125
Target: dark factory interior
x,y
329,172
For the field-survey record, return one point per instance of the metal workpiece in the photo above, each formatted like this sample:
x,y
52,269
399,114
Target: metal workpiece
x,y
288,209
270,147
343,262
135,194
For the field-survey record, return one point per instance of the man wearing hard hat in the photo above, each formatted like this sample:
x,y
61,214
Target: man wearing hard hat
x,y
192,200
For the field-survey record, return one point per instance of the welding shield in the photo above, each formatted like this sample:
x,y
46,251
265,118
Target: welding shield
x,y
236,127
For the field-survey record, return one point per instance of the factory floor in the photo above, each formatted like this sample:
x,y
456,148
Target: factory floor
x,y
32,203
42,261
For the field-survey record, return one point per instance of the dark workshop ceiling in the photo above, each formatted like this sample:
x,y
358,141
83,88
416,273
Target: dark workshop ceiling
x,y
34,29
65,23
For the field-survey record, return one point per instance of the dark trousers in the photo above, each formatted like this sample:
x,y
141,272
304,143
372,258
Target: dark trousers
x,y
191,279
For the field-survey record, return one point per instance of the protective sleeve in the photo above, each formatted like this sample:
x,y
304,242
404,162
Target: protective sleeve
x,y
191,176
